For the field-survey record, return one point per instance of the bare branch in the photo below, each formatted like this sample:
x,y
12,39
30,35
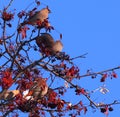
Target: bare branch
x,y
100,72
10,3
81,56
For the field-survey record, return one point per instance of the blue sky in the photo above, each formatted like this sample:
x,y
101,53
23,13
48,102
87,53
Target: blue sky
x,y
88,26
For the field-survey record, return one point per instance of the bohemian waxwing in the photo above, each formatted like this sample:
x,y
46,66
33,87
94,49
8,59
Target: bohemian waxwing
x,y
47,44
10,94
38,90
39,16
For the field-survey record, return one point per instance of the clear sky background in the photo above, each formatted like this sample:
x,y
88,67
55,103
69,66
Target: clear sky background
x,y
88,26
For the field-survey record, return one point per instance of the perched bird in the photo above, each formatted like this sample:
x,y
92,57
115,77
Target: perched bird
x,y
38,90
38,17
10,94
48,45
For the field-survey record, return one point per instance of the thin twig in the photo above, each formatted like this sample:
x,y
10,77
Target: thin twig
x,y
81,56
100,72
56,74
28,67
9,4
19,49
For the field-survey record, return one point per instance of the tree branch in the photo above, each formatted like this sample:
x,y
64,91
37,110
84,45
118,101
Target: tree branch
x,y
100,72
